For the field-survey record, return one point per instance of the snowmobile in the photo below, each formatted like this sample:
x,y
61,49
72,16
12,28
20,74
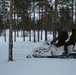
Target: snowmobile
x,y
51,51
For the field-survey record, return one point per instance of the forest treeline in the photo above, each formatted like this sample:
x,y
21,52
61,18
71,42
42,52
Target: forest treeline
x,y
39,14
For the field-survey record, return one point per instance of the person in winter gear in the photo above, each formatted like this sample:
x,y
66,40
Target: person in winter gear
x,y
62,37
71,41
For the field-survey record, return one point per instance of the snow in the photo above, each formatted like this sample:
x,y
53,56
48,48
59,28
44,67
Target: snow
x,y
31,66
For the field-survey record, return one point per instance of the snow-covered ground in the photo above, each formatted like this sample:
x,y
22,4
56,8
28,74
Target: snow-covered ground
x,y
31,66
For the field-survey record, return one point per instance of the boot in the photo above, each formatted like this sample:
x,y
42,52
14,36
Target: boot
x,y
64,53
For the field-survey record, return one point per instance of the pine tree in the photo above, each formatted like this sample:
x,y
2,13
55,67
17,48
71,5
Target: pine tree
x,y
10,33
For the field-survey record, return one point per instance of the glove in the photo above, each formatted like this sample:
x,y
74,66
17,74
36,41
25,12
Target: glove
x,y
51,42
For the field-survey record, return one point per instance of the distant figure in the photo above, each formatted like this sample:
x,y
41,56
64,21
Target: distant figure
x,y
71,41
62,37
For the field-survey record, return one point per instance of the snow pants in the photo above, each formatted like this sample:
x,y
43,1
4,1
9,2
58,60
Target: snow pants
x,y
67,44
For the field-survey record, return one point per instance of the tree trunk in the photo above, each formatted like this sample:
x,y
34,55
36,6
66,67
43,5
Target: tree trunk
x,y
23,35
14,25
17,34
75,12
72,13
45,20
30,25
42,21
39,22
10,33
55,17
4,13
34,17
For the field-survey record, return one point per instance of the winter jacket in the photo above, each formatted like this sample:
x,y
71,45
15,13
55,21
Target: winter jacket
x,y
62,37
73,36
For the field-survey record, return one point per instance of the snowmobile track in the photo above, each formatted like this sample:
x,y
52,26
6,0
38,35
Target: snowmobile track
x,y
69,56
